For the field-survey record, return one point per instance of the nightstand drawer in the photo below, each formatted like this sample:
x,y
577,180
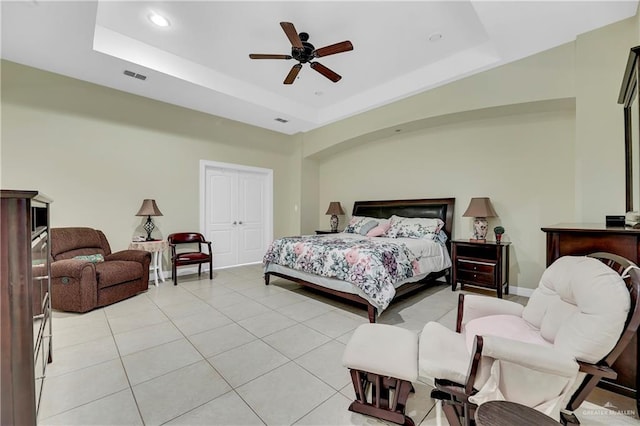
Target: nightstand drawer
x,y
480,263
476,277
474,266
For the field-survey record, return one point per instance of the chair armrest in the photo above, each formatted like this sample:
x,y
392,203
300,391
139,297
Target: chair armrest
x,y
140,256
472,307
208,243
598,370
70,268
545,359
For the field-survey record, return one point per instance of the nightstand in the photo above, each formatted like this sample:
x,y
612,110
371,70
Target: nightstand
x,y
484,264
326,231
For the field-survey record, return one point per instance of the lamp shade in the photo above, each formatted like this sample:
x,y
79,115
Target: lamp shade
x,y
480,207
335,208
149,208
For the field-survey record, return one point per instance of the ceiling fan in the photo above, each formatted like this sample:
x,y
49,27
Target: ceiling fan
x,y
303,52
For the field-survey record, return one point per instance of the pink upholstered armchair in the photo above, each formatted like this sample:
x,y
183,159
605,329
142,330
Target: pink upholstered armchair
x,y
86,275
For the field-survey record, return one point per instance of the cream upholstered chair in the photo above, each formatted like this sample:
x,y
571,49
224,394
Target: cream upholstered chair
x,y
548,354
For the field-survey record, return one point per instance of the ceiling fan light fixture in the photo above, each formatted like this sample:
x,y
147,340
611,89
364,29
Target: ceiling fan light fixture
x,y
304,52
159,20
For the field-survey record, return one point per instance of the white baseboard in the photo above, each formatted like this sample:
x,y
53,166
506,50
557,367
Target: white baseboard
x,y
521,291
182,271
241,264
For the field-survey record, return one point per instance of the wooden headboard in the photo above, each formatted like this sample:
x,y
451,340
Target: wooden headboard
x,y
429,207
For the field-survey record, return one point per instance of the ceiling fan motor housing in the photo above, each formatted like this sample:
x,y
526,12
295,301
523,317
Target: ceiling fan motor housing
x,y
305,54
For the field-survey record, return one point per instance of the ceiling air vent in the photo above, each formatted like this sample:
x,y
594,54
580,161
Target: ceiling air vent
x,y
282,120
134,75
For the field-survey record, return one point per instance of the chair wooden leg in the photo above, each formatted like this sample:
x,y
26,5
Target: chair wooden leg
x,y
199,269
382,405
211,269
567,418
451,413
174,274
588,384
458,413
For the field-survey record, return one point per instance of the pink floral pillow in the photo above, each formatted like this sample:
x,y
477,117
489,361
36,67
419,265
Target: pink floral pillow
x,y
380,229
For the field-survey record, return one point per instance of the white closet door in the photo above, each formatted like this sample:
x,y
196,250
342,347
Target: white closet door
x,y
251,214
221,212
237,213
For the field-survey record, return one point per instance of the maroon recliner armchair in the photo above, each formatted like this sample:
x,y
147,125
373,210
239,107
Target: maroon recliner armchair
x,y
86,275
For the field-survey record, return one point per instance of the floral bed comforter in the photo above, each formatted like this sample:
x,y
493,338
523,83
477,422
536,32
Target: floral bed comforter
x,y
372,264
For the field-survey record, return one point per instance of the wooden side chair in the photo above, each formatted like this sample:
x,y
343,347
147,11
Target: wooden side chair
x,y
191,257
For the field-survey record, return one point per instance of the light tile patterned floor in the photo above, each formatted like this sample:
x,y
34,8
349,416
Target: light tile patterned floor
x,y
233,351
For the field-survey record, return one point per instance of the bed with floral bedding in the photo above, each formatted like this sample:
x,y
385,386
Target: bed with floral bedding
x,y
389,248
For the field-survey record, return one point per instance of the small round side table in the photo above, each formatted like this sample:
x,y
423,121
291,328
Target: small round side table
x,y
507,413
156,248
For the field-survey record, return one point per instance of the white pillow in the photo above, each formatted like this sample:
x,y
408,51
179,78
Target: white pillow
x,y
357,223
414,227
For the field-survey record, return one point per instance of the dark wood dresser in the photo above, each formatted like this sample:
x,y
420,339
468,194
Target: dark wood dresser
x,y
584,238
25,305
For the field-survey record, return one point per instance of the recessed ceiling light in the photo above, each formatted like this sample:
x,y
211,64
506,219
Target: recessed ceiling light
x,y
435,37
159,20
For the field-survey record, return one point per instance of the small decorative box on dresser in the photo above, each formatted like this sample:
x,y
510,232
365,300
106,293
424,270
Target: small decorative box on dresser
x,y
325,231
578,239
25,304
480,264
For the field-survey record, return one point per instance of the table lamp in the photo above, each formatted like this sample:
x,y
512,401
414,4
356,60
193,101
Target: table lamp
x,y
334,210
480,209
148,209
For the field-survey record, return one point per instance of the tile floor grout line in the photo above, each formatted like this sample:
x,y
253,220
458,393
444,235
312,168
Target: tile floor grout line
x,y
204,358
262,414
126,374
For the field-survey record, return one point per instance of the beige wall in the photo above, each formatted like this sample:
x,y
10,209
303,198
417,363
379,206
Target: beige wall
x,y
541,136
504,158
601,57
545,76
98,153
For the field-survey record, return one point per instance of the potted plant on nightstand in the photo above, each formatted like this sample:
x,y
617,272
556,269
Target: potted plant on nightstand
x,y
498,230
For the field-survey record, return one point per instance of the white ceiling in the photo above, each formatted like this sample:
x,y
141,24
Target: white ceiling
x,y
201,60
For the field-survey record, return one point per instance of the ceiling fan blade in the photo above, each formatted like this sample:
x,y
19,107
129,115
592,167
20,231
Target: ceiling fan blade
x,y
325,71
292,74
343,46
268,56
292,34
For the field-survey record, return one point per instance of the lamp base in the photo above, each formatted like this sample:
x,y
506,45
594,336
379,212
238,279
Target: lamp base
x,y
334,223
477,240
149,227
480,226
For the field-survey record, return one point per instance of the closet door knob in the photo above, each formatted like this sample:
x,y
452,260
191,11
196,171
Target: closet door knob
x,y
240,222
234,222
